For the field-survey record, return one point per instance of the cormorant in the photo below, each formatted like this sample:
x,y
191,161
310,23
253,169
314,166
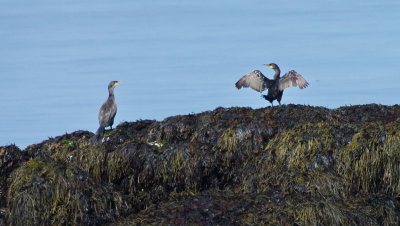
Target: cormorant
x,y
257,81
108,110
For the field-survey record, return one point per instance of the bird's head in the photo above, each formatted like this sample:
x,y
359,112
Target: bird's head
x,y
271,65
112,84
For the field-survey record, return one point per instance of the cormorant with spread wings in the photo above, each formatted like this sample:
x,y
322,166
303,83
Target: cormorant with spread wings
x,y
257,81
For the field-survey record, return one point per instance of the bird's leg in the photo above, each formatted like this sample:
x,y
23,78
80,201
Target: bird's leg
x,y
279,102
111,127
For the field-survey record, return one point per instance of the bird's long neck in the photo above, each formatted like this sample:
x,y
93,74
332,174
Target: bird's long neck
x,y
277,73
111,92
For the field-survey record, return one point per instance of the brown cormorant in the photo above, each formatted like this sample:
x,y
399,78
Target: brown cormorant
x,y
108,110
257,81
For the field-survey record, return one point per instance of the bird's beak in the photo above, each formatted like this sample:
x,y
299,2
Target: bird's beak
x,y
117,83
268,65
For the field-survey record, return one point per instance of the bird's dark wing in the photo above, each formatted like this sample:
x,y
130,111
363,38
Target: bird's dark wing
x,y
255,80
107,113
292,78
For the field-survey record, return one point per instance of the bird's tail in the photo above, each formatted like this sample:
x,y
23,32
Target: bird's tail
x,y
100,131
97,138
267,97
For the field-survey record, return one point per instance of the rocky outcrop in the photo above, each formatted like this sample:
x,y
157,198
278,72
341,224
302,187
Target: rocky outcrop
x,y
286,165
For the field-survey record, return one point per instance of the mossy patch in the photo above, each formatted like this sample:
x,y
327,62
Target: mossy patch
x,y
68,143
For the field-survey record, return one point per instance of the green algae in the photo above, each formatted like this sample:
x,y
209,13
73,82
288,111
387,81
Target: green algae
x,y
68,143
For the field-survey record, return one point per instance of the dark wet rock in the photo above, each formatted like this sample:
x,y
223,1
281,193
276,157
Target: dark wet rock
x,y
284,165
324,161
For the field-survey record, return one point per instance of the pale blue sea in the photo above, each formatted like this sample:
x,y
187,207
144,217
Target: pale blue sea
x,y
180,57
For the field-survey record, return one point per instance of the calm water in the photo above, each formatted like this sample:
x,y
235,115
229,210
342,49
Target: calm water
x,y
179,57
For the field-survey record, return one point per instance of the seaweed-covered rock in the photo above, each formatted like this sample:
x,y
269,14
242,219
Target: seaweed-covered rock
x,y
10,158
285,165
44,192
